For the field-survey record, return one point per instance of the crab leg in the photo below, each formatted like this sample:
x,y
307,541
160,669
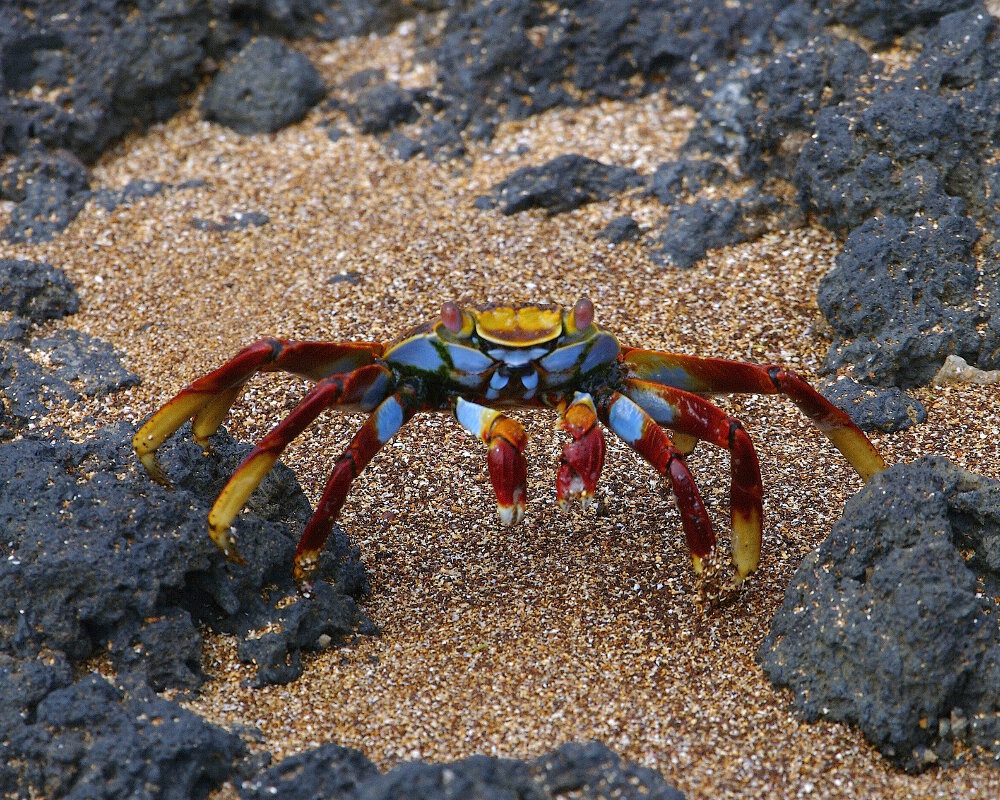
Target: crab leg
x,y
716,375
640,431
693,415
381,426
506,441
360,390
582,458
208,399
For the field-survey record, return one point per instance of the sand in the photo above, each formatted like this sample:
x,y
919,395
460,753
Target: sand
x,y
572,626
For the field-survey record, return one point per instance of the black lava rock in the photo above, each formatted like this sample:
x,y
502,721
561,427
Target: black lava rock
x,y
36,291
902,299
87,363
891,624
514,58
49,189
873,408
266,87
326,771
240,220
675,178
87,738
562,184
102,558
621,229
695,228
579,770
57,368
919,143
383,107
107,68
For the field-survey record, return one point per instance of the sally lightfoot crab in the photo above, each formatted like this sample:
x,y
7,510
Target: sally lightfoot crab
x,y
471,362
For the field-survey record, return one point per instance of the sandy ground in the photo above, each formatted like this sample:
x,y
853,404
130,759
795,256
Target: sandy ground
x,y
573,626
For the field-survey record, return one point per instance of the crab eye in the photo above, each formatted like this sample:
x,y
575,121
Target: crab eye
x,y
583,313
452,317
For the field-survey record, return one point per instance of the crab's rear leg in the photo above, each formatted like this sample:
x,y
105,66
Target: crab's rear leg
x,y
505,440
582,458
207,400
717,375
391,414
695,416
360,390
638,430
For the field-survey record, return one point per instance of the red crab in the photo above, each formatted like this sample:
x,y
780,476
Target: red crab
x,y
472,360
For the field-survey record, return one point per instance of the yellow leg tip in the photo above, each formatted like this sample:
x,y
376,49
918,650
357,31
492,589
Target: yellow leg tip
x,y
226,542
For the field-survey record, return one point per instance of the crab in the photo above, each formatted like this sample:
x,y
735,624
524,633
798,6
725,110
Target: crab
x,y
471,362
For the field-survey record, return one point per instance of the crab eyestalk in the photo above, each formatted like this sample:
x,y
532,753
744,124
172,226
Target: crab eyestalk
x,y
457,321
581,317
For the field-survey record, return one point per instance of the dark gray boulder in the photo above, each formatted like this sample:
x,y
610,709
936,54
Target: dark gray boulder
x,y
891,624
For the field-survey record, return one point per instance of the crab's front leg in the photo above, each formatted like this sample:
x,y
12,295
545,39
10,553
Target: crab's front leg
x,y
361,390
582,458
207,400
505,440
716,375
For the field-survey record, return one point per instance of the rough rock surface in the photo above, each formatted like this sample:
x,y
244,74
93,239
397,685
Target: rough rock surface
x,y
891,624
902,298
265,87
149,569
573,770
88,738
874,409
562,184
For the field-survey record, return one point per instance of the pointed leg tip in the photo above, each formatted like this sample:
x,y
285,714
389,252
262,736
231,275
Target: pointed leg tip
x,y
226,542
510,515
304,570
154,469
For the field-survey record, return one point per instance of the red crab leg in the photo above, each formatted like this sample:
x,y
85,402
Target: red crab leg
x,y
693,415
209,398
506,441
582,458
638,430
381,426
716,375
360,390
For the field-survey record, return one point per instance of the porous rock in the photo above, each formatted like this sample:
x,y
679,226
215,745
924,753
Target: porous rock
x,y
873,408
88,738
263,89
562,184
102,558
890,624
587,770
36,291
36,375
902,298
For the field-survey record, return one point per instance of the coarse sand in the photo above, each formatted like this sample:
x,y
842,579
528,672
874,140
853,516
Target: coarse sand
x,y
572,626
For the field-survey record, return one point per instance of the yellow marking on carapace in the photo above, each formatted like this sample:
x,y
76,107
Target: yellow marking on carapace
x,y
518,327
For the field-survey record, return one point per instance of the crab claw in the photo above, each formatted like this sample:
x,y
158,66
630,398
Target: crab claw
x,y
508,472
582,458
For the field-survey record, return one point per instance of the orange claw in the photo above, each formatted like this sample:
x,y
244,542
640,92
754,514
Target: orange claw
x,y
582,458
